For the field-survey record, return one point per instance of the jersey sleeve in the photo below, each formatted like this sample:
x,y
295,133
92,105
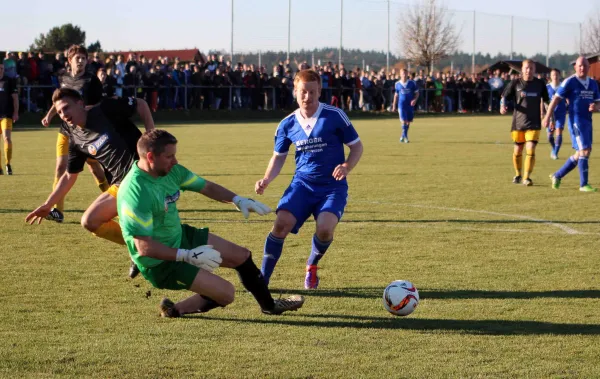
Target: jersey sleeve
x,y
397,88
596,91
188,181
13,89
282,141
94,95
564,89
135,214
545,95
348,133
76,160
509,91
120,108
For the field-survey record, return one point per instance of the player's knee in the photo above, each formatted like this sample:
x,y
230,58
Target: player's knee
x,y
88,223
324,233
227,294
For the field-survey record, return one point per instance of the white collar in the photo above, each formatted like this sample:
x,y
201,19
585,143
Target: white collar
x,y
308,124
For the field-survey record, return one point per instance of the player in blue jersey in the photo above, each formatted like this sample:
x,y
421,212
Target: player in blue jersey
x,y
583,96
556,128
319,188
405,99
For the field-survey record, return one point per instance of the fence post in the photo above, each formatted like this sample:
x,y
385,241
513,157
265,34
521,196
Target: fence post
x,y
185,97
28,99
230,97
426,101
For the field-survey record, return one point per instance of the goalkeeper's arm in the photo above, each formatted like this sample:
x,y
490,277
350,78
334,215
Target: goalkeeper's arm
x,y
244,205
204,256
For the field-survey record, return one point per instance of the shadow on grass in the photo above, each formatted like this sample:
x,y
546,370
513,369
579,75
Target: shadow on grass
x,y
481,327
377,292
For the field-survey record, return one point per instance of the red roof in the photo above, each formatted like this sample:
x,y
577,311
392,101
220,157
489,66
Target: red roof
x,y
184,55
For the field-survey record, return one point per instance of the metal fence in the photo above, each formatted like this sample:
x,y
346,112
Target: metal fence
x,y
38,98
375,25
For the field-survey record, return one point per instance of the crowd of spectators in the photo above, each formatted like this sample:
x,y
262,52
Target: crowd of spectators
x,y
215,83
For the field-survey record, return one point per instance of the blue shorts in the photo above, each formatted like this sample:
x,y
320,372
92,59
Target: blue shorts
x,y
559,122
302,200
406,113
581,136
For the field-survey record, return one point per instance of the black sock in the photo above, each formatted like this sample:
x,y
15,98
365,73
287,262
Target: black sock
x,y
253,280
210,304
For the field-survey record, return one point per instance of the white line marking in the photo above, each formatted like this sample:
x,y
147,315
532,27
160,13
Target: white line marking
x,y
562,227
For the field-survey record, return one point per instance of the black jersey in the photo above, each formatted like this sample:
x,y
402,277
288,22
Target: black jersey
x,y
528,97
88,85
119,113
8,87
99,140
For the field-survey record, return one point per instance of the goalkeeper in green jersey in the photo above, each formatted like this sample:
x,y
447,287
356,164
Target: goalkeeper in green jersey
x,y
177,256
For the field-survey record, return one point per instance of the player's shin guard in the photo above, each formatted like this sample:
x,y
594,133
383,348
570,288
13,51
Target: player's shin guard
x,y
318,250
529,163
518,163
557,144
583,171
272,253
110,231
254,282
61,204
8,152
569,165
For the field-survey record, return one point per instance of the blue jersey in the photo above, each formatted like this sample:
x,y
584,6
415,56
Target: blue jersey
x,y
560,112
580,94
406,92
319,142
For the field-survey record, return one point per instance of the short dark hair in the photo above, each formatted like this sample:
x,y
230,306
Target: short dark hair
x,y
155,141
66,93
557,71
76,49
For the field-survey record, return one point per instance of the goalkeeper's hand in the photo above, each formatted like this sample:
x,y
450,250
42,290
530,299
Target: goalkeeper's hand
x,y
246,206
203,256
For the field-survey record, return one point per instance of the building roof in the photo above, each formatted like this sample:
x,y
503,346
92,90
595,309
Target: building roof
x,y
186,55
512,65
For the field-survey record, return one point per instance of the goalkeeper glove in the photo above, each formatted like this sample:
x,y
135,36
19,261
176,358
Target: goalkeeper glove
x,y
203,256
246,206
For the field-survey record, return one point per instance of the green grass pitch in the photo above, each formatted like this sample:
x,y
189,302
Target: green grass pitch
x,y
509,276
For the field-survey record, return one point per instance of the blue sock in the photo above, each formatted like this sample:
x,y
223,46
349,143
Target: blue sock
x,y
583,171
557,143
318,250
569,165
405,127
403,130
272,253
551,139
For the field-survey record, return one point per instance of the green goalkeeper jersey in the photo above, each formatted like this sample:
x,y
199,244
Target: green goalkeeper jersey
x,y
147,207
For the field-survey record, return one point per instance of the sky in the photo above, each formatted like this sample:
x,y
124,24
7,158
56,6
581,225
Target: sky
x,y
263,24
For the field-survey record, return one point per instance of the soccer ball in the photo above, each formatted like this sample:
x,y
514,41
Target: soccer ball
x,y
400,298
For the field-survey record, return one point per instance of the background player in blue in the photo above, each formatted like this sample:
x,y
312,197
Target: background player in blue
x,y
319,133
583,96
560,115
405,100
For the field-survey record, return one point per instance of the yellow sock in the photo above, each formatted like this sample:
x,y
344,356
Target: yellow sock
x,y
110,231
8,152
61,204
517,163
104,186
529,163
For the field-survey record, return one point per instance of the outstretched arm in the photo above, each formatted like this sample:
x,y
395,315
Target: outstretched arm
x,y
145,115
273,169
63,187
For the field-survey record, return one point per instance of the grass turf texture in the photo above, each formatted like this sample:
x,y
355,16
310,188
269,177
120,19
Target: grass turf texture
x,y
508,275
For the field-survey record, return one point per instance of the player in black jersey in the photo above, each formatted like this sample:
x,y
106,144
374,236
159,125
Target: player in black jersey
x,y
107,139
9,113
90,88
529,95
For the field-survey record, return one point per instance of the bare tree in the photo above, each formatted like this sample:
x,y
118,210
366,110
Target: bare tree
x,y
427,33
591,37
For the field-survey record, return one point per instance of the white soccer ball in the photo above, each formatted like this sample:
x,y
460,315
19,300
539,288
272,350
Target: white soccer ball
x,y
400,298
